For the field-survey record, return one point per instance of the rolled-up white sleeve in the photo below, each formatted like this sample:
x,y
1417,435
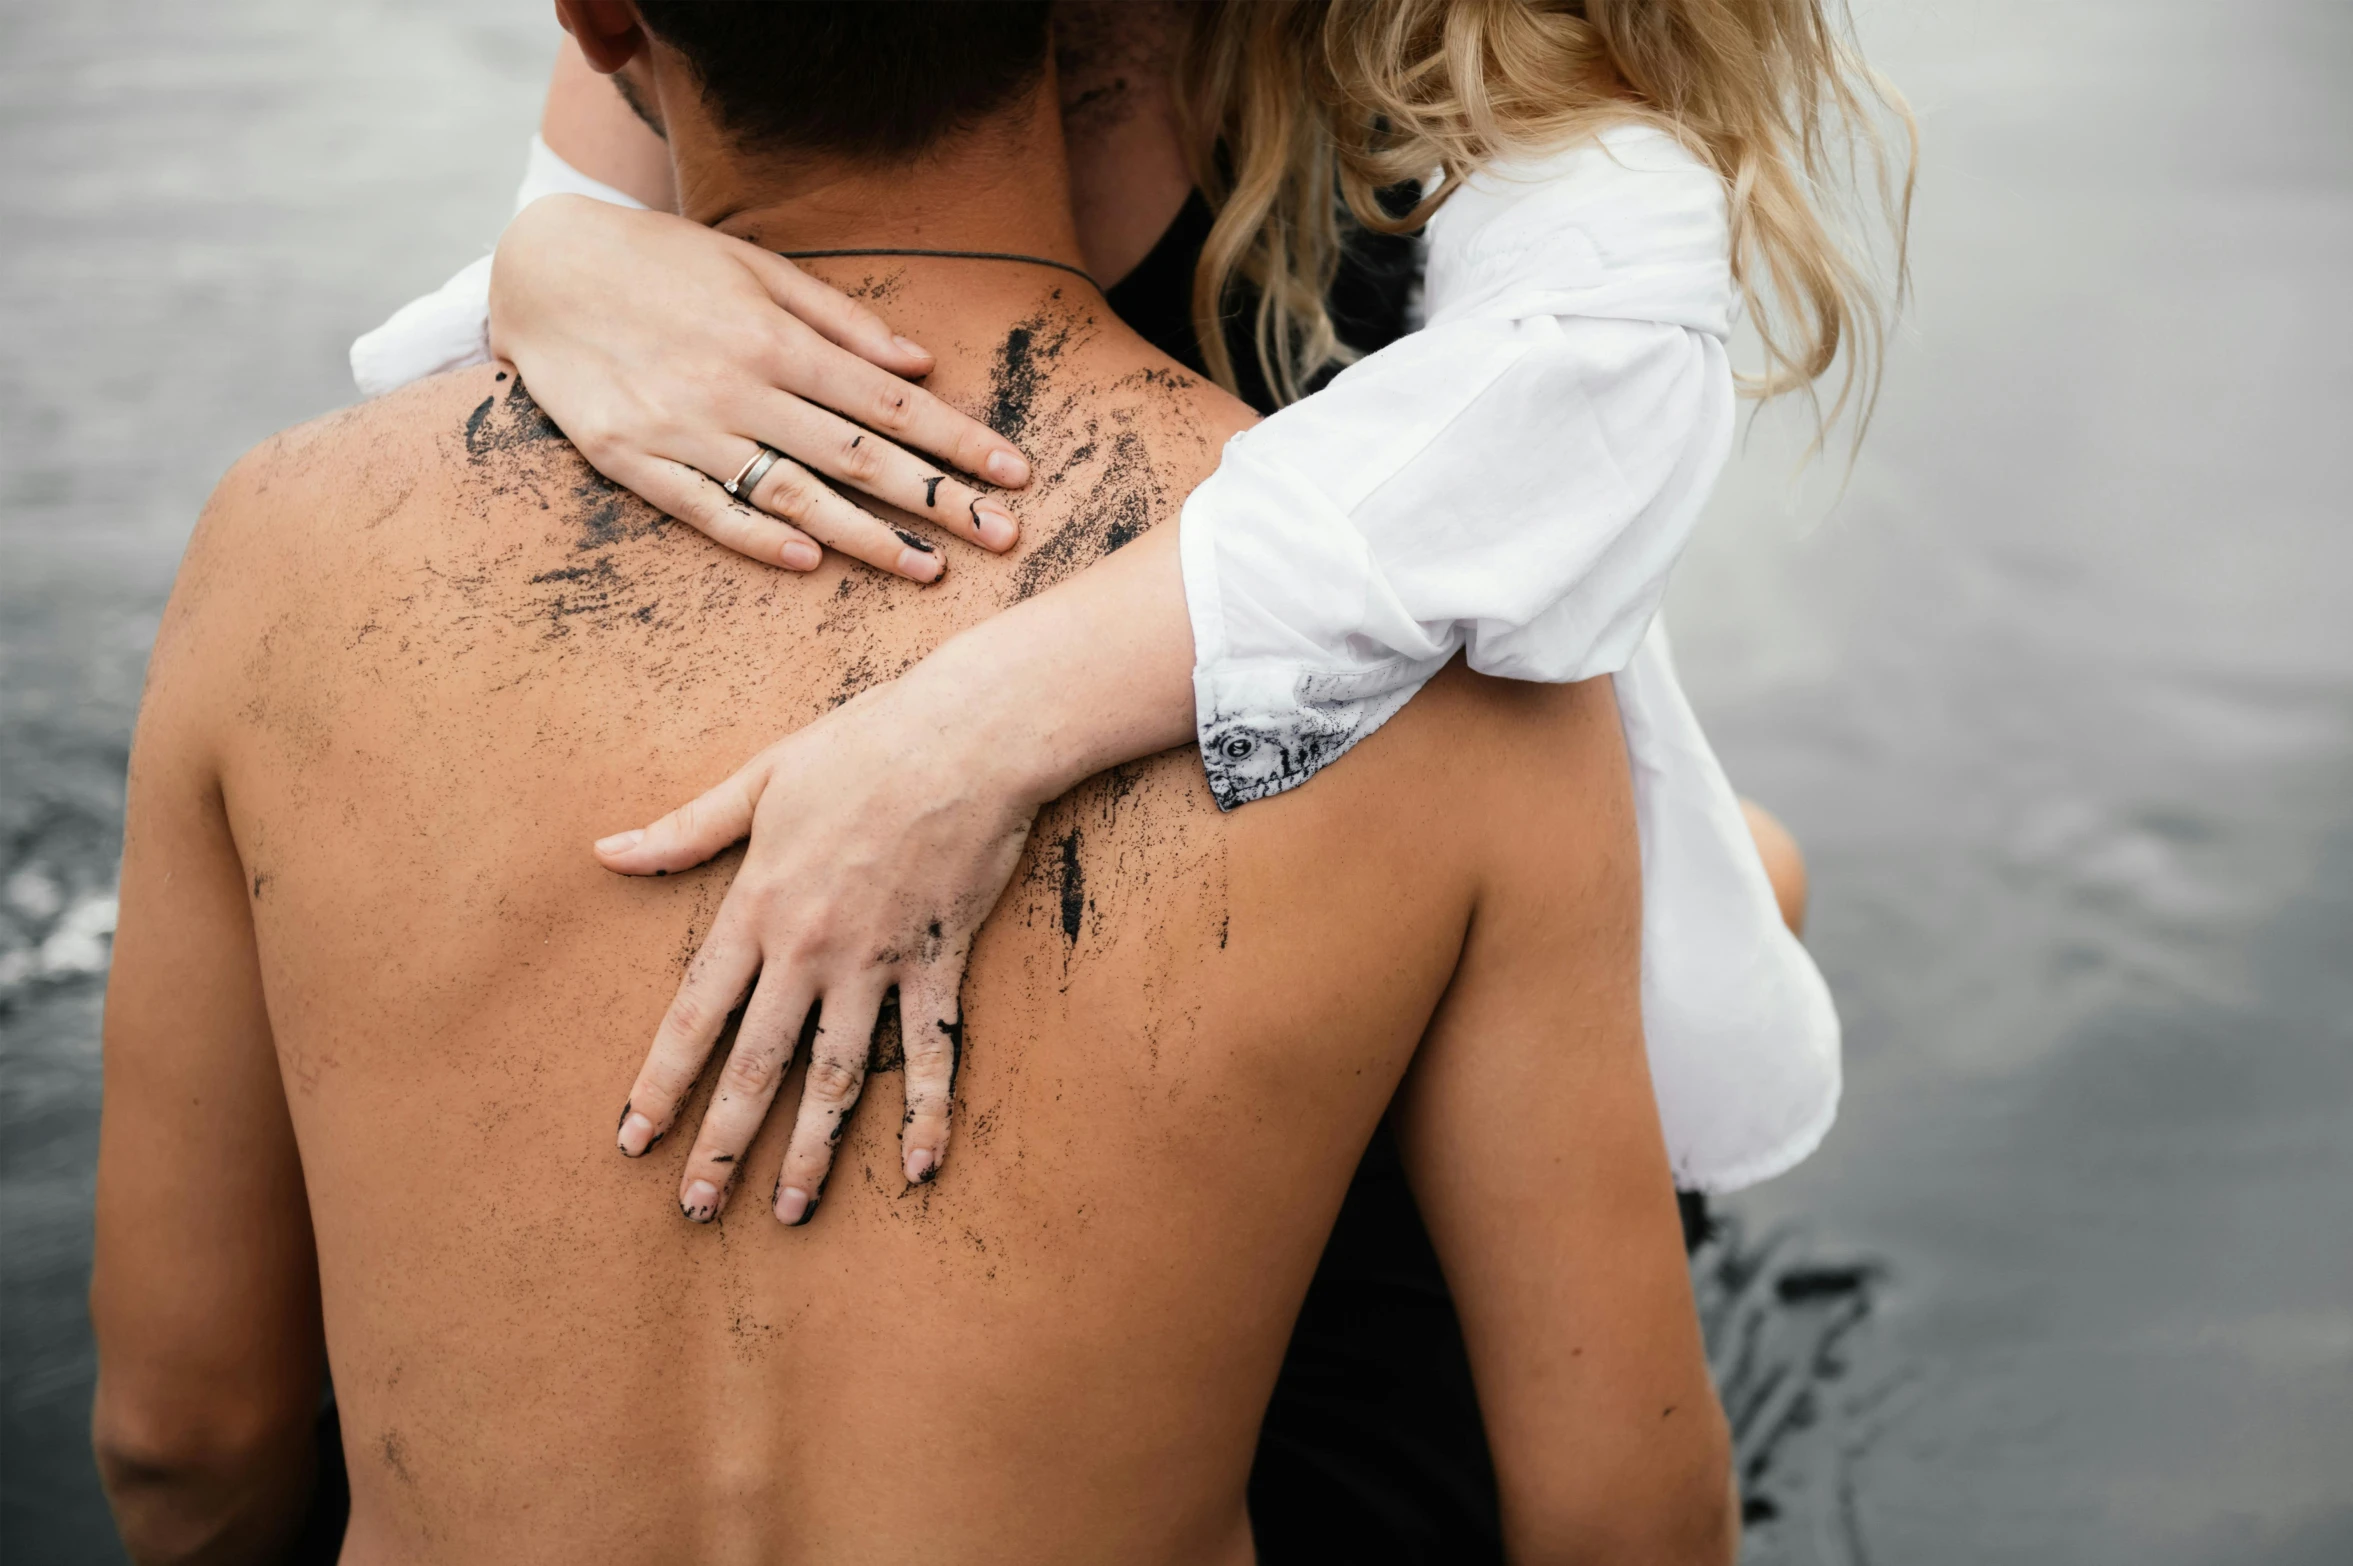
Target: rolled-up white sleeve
x,y
1514,481
1518,489
449,328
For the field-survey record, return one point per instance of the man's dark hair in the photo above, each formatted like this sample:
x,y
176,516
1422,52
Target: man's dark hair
x,y
879,82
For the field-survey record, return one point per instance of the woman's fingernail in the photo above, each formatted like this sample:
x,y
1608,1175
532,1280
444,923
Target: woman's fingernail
x,y
911,348
994,525
792,1204
1003,467
919,561
801,555
637,1133
919,1166
621,842
701,1202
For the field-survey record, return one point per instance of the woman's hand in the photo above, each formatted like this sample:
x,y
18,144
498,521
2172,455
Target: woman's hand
x,y
879,845
670,353
882,835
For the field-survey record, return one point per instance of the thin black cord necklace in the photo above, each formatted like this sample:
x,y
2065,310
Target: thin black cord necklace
x,y
946,255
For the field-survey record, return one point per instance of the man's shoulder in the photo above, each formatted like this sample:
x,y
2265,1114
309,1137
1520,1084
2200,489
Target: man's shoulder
x,y
452,462
319,513
355,465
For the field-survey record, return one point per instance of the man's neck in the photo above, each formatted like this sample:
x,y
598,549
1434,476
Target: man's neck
x,y
1002,186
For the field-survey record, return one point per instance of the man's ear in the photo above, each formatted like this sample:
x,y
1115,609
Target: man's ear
x,y
607,31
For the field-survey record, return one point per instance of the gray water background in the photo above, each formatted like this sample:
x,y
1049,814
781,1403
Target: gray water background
x,y
2059,696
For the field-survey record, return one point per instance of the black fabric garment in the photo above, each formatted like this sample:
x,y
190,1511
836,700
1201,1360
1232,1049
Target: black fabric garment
x,y
320,1543
1372,1450
1377,277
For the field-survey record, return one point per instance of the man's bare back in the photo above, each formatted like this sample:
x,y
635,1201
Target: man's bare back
x,y
420,655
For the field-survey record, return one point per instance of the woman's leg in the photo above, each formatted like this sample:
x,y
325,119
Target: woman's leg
x,y
1785,863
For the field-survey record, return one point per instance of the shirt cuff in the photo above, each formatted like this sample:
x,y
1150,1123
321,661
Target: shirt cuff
x,y
1269,726
1269,722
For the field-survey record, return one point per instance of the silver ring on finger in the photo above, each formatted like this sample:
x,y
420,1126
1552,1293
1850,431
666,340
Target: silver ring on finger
x,y
741,486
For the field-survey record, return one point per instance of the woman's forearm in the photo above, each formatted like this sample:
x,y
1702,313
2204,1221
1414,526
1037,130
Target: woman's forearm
x,y
1094,672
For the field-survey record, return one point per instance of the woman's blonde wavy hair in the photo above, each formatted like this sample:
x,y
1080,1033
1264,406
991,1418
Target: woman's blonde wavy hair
x,y
1292,101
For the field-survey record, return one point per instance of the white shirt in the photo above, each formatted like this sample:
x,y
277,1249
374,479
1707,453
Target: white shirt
x,y
1515,480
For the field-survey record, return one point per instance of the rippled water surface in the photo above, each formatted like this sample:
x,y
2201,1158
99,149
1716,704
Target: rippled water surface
x,y
2060,696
